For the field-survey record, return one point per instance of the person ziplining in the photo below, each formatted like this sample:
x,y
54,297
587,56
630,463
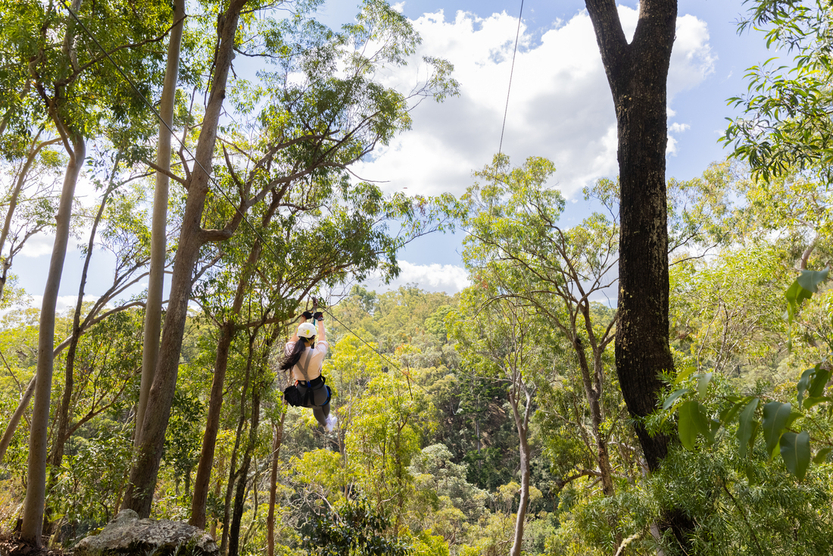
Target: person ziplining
x,y
304,360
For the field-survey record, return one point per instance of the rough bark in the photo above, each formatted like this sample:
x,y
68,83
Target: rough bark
x,y
139,496
153,309
637,74
38,435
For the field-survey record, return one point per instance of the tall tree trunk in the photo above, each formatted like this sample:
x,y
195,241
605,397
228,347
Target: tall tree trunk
x,y
637,74
273,486
63,413
243,472
158,231
233,469
38,435
145,468
522,425
212,427
215,403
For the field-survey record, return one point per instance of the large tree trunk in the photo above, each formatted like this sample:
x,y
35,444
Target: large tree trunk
x,y
143,474
637,74
212,427
38,435
158,232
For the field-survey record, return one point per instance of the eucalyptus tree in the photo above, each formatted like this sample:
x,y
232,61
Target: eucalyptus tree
x,y
637,72
118,225
517,246
292,252
158,232
29,200
66,78
319,112
500,341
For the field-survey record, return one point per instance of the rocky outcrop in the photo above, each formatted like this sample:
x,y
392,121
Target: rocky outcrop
x,y
127,535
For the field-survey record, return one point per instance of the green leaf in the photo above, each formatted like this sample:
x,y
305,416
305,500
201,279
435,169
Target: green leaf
x,y
795,451
685,373
731,411
810,279
821,457
804,382
747,426
703,384
812,402
692,421
775,419
816,388
674,396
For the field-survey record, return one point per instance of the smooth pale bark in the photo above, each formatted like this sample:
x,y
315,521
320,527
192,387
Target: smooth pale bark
x,y
158,231
69,375
139,496
38,435
522,425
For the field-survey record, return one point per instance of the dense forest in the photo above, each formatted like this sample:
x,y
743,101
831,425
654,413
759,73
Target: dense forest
x,y
579,397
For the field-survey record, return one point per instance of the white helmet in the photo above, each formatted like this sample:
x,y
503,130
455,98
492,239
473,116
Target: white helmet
x,y
306,330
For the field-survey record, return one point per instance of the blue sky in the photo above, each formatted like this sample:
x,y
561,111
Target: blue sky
x,y
560,108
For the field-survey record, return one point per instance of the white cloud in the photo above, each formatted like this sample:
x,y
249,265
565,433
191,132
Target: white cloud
x,y
671,148
560,105
433,278
64,302
38,245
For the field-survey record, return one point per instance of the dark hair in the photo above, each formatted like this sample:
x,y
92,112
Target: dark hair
x,y
291,359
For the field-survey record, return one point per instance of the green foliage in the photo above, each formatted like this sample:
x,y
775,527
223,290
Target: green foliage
x,y
777,417
786,123
352,527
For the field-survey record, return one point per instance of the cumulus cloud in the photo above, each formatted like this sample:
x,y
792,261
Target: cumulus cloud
x,y
560,105
433,278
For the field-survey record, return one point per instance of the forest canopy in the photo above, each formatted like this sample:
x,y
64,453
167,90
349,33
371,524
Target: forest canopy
x,y
562,403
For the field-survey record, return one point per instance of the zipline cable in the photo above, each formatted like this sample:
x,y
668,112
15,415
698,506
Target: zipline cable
x,y
511,73
395,366
213,181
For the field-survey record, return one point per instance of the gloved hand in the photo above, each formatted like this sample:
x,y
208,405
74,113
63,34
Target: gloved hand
x,y
318,316
307,315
